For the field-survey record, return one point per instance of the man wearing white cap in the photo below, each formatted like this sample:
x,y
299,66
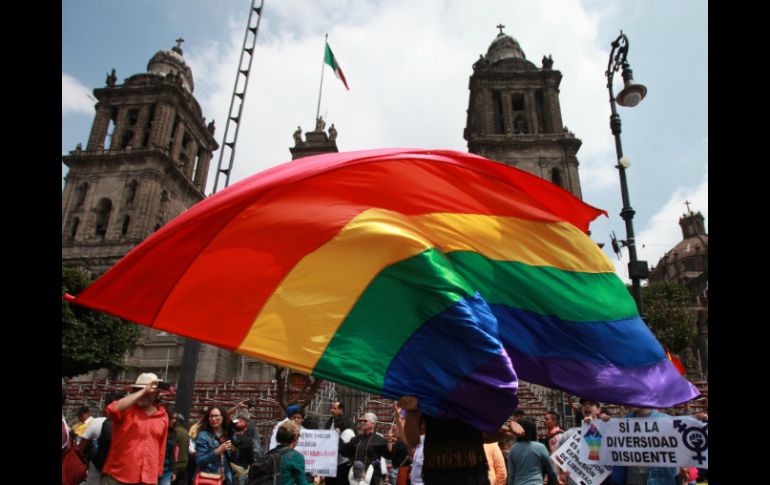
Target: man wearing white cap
x,y
139,429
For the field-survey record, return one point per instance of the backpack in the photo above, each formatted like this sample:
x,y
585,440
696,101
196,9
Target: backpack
x,y
101,446
266,469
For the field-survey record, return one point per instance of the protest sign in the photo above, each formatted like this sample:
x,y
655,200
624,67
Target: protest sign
x,y
680,441
567,458
319,447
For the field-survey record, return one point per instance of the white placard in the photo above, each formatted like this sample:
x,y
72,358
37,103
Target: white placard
x,y
567,457
319,447
669,441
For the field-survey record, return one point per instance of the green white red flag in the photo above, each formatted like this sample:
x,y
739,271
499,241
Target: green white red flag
x,y
332,61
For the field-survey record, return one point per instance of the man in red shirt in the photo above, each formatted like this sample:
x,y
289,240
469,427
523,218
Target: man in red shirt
x,y
139,429
553,434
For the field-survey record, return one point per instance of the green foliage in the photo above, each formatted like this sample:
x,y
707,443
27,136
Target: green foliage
x,y
665,306
91,340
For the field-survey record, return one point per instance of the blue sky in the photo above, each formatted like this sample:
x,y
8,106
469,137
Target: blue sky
x,y
407,65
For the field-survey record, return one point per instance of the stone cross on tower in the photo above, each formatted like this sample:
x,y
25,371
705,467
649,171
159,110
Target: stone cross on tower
x,y
501,27
687,203
179,42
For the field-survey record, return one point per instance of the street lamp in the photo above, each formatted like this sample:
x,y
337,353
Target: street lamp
x,y
630,96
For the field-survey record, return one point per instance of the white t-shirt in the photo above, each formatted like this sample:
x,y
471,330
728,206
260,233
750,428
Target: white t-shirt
x,y
92,433
94,429
416,474
273,441
347,435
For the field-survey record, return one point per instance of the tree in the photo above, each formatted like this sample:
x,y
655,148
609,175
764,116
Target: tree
x,y
91,340
665,306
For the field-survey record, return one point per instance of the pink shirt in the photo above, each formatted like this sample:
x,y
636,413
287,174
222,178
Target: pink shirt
x,y
138,445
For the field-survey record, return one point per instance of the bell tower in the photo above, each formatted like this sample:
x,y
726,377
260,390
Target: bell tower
x,y
514,115
146,161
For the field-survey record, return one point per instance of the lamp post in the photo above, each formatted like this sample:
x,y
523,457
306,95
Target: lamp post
x,y
630,96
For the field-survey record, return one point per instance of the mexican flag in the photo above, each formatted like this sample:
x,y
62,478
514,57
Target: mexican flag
x,y
329,59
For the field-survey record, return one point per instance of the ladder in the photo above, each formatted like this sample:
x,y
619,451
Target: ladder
x,y
239,95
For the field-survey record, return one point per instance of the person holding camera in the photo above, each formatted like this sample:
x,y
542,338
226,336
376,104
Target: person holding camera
x,y
139,430
246,440
214,448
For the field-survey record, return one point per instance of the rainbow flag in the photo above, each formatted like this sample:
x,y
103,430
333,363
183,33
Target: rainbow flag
x,y
401,272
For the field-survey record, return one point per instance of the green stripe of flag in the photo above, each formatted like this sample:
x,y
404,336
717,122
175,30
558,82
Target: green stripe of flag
x,y
390,310
329,58
568,295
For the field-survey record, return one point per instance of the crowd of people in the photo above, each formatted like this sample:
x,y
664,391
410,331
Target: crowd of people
x,y
139,441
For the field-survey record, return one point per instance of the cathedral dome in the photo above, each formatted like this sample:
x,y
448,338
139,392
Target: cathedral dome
x,y
504,47
690,256
171,62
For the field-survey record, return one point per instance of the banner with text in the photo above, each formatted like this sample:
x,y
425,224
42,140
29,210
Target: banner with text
x,y
567,457
319,447
655,442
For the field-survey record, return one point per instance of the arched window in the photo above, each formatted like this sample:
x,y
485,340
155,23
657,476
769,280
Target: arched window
x,y
556,177
82,191
74,230
497,110
520,125
103,210
126,222
163,208
108,141
131,192
127,138
133,116
173,133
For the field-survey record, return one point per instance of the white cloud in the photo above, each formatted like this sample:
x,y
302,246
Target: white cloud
x,y
75,97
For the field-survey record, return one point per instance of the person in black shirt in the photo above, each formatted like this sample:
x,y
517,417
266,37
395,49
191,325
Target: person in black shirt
x,y
338,412
369,448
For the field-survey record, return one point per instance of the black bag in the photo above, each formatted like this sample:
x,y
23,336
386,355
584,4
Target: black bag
x,y
101,446
266,469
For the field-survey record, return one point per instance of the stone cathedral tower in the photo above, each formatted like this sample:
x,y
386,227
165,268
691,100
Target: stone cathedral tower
x,y
514,115
146,161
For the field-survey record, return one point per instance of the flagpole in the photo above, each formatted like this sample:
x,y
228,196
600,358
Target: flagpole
x,y
323,61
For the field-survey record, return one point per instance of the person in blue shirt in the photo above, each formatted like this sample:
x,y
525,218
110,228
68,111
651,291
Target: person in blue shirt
x,y
213,447
528,459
